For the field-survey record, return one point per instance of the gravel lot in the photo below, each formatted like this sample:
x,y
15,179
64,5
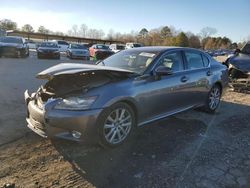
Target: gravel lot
x,y
191,149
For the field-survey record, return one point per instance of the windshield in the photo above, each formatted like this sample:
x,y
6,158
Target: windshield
x,y
120,47
246,49
49,45
11,40
136,61
77,46
137,45
102,47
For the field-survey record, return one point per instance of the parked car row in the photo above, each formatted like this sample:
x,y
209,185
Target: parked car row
x,y
220,52
19,47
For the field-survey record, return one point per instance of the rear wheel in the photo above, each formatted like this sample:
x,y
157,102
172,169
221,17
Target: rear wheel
x,y
213,99
115,125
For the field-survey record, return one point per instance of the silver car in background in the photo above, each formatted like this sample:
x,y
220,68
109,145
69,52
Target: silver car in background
x,y
77,51
105,102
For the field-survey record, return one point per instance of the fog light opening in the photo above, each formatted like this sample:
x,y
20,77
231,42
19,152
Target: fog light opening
x,y
76,134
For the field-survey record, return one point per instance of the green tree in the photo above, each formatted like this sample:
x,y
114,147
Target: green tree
x,y
28,28
7,24
182,40
143,33
43,30
166,32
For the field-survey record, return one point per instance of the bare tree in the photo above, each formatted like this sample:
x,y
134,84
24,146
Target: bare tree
x,y
83,30
111,34
43,30
28,28
101,34
207,32
75,30
70,33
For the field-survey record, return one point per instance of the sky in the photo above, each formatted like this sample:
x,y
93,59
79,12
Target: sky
x,y
231,18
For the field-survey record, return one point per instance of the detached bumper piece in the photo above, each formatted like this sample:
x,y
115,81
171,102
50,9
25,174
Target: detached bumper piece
x,y
34,116
241,85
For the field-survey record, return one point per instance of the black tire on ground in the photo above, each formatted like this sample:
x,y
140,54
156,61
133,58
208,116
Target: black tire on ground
x,y
125,111
213,99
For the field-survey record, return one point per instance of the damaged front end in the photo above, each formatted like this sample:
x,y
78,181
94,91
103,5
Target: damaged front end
x,y
239,72
63,106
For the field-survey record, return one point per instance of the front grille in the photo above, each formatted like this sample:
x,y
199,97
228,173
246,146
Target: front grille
x,y
8,50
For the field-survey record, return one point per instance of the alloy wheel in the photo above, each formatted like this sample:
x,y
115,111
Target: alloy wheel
x,y
214,98
117,125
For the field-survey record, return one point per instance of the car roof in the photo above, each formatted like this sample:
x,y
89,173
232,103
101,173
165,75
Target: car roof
x,y
12,37
158,48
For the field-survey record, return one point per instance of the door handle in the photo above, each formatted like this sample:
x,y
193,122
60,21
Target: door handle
x,y
184,79
209,73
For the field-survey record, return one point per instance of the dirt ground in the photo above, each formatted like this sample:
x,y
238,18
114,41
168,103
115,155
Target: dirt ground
x,y
192,149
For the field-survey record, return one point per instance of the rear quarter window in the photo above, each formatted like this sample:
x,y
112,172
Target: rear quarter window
x,y
205,60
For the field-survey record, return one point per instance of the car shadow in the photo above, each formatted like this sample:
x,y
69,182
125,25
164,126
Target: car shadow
x,y
149,146
168,144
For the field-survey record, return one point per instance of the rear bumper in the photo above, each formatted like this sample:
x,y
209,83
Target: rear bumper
x,y
48,122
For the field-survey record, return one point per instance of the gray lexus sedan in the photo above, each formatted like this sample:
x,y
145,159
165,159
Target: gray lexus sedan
x,y
105,102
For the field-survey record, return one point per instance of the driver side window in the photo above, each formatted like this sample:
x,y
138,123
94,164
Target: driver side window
x,y
173,61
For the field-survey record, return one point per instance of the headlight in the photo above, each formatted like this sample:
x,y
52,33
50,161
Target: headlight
x,y
75,103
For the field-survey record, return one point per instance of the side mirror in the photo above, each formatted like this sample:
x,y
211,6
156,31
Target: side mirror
x,y
59,46
163,71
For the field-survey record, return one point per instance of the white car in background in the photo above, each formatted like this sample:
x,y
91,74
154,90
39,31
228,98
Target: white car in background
x,y
63,45
117,47
31,44
133,45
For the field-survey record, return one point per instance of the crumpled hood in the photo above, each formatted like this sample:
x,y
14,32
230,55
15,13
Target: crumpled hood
x,y
241,61
70,68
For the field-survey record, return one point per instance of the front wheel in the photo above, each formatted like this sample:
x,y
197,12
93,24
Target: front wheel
x,y
213,99
115,125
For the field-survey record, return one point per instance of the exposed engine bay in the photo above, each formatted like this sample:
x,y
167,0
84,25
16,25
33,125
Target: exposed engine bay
x,y
70,84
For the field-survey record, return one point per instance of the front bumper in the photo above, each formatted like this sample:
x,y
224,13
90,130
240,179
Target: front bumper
x,y
11,51
82,56
48,55
49,122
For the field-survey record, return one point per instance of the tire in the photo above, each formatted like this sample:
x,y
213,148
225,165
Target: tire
x,y
115,125
213,99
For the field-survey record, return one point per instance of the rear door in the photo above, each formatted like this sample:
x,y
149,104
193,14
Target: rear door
x,y
197,71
